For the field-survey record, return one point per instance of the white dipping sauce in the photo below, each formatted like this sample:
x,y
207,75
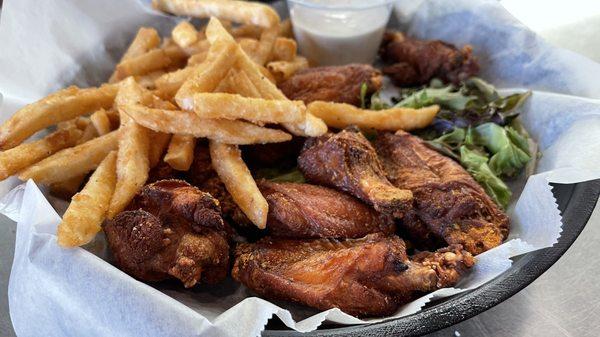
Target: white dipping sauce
x,y
329,36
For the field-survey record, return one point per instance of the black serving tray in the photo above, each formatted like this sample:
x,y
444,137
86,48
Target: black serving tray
x,y
576,203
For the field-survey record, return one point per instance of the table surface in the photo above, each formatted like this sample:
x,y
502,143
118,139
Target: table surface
x,y
562,302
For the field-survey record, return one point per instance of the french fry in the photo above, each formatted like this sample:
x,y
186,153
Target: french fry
x,y
66,188
61,106
284,49
248,31
81,222
209,74
311,126
24,155
340,115
266,43
233,172
148,81
180,153
101,122
188,123
237,11
197,58
72,162
285,28
159,144
184,34
145,40
232,106
133,164
153,60
168,84
249,46
282,70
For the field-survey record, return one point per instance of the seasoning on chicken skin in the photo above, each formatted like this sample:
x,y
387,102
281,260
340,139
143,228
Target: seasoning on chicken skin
x,y
449,205
170,230
303,211
347,161
371,276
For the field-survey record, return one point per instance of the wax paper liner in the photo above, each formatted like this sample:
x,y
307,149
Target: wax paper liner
x,y
48,45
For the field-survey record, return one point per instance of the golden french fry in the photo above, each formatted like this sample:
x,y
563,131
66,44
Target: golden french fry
x,y
197,58
233,106
340,115
209,74
145,40
101,122
233,172
188,123
66,188
153,60
159,144
20,157
284,49
237,11
168,84
265,47
180,153
311,126
61,106
184,34
81,222
249,31
147,81
72,162
249,46
282,70
133,164
241,84
285,28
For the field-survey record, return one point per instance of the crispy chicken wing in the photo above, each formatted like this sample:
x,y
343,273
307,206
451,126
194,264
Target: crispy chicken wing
x,y
416,62
170,230
309,211
370,276
449,205
336,83
348,162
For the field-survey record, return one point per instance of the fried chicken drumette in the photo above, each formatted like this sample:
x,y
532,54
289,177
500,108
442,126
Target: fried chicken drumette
x,y
170,230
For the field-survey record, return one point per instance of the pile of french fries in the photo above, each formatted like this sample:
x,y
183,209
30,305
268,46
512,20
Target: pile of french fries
x,y
218,83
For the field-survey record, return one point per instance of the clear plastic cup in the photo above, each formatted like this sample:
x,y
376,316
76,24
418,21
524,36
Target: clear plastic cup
x,y
331,32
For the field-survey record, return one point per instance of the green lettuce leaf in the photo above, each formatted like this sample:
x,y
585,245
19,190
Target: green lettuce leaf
x,y
446,97
508,157
476,164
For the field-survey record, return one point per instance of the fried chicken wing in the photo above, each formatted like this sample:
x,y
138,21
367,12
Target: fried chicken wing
x,y
309,211
416,62
340,84
449,205
348,162
170,230
370,276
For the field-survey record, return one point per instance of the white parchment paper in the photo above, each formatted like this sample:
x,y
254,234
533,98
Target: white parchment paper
x,y
57,292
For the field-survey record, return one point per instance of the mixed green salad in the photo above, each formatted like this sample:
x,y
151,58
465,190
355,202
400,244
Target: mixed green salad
x,y
476,126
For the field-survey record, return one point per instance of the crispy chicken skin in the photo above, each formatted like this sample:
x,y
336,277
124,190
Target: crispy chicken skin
x,y
370,276
449,205
347,161
303,211
416,62
170,230
336,83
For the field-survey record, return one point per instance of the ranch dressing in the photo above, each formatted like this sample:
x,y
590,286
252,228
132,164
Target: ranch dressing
x,y
339,31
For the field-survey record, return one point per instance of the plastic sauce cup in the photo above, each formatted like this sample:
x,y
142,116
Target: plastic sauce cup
x,y
332,32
